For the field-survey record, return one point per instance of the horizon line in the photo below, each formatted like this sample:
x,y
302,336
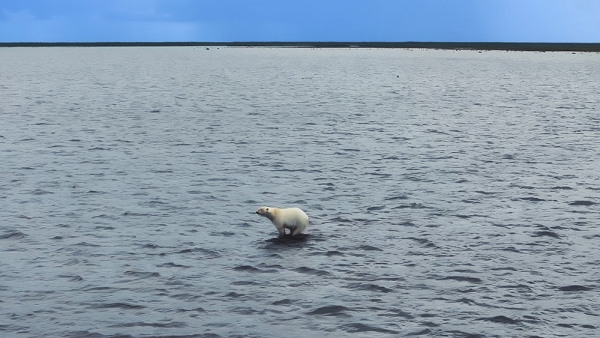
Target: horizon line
x,y
516,46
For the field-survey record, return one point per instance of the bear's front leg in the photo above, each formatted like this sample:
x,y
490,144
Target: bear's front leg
x,y
281,232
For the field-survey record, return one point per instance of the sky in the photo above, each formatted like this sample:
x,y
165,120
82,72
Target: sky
x,y
299,20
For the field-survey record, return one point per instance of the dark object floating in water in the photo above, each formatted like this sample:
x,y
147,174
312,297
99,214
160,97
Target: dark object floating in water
x,y
582,203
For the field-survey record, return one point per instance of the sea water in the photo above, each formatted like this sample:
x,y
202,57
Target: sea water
x,y
451,193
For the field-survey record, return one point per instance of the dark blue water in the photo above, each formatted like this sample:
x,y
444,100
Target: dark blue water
x,y
452,194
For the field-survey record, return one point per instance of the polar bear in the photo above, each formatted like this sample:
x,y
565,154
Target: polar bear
x,y
291,218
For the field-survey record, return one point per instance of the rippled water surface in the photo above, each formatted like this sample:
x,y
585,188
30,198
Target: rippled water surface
x,y
451,194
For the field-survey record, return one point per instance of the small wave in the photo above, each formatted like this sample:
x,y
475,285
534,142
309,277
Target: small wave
x,y
360,327
486,192
92,245
104,227
198,309
546,233
340,219
500,319
124,306
473,280
370,287
400,197
396,313
508,268
383,175
466,301
331,310
223,233
41,192
282,302
207,252
435,131
422,332
426,243
312,271
14,234
196,192
172,265
252,269
234,295
156,325
88,334
583,203
533,199
186,296
73,278
369,248
247,268
167,171
570,288
413,205
89,288
136,214
142,274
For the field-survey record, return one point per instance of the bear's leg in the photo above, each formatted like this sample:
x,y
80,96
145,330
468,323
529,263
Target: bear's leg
x,y
281,232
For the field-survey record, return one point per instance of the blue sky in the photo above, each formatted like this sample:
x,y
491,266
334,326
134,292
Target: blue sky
x,y
300,20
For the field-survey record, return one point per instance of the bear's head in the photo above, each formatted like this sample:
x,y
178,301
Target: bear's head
x,y
266,212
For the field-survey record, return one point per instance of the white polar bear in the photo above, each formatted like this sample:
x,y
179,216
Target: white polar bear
x,y
291,218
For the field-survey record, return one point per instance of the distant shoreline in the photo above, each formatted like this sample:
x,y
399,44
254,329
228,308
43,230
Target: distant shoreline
x,y
508,46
